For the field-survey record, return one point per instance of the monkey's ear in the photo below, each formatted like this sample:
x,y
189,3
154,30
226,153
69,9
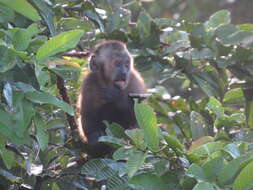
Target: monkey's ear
x,y
93,64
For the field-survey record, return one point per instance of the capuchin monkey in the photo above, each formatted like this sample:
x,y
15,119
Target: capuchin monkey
x,y
105,94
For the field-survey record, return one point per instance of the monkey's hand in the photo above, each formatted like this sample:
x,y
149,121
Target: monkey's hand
x,y
109,95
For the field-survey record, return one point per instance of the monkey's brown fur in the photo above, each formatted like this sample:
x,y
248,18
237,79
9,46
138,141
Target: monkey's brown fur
x,y
105,93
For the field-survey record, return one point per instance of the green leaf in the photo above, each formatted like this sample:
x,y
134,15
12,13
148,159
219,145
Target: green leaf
x,y
7,14
201,141
59,43
95,18
230,171
213,167
228,121
10,128
70,23
22,37
55,187
42,76
114,21
204,186
245,179
67,72
8,158
173,143
249,113
147,181
5,66
41,133
137,136
224,31
45,98
147,121
247,27
215,106
161,166
22,7
115,130
196,172
115,4
198,125
47,15
233,150
10,176
209,148
24,87
234,97
135,162
117,182
123,153
144,25
111,140
219,18
204,81
239,37
99,169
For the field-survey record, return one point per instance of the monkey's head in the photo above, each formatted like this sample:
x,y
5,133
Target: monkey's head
x,y
113,62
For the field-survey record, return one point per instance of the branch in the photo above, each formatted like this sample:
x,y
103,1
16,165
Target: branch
x,y
63,92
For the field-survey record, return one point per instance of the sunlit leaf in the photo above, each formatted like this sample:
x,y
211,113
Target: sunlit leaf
x,y
23,7
147,121
245,178
59,43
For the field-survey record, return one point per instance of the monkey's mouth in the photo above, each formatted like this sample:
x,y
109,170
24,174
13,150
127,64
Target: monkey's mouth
x,y
121,84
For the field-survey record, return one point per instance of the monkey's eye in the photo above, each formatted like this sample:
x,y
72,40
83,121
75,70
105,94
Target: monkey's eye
x,y
117,63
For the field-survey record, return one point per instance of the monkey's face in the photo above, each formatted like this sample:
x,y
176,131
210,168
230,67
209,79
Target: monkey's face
x,y
117,71
114,64
122,70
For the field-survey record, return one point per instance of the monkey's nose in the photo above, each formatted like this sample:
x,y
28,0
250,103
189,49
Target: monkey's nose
x,y
122,76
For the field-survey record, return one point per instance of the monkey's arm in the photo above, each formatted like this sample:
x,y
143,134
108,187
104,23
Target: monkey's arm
x,y
94,129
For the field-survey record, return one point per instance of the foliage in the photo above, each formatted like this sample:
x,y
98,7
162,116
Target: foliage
x,y
195,130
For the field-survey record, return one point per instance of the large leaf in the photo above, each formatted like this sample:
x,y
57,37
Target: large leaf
x,y
101,169
22,37
196,172
7,14
198,125
204,186
44,98
134,163
147,181
228,173
59,43
47,14
41,132
22,7
213,167
215,106
219,18
245,179
137,136
234,96
144,25
147,121
173,143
